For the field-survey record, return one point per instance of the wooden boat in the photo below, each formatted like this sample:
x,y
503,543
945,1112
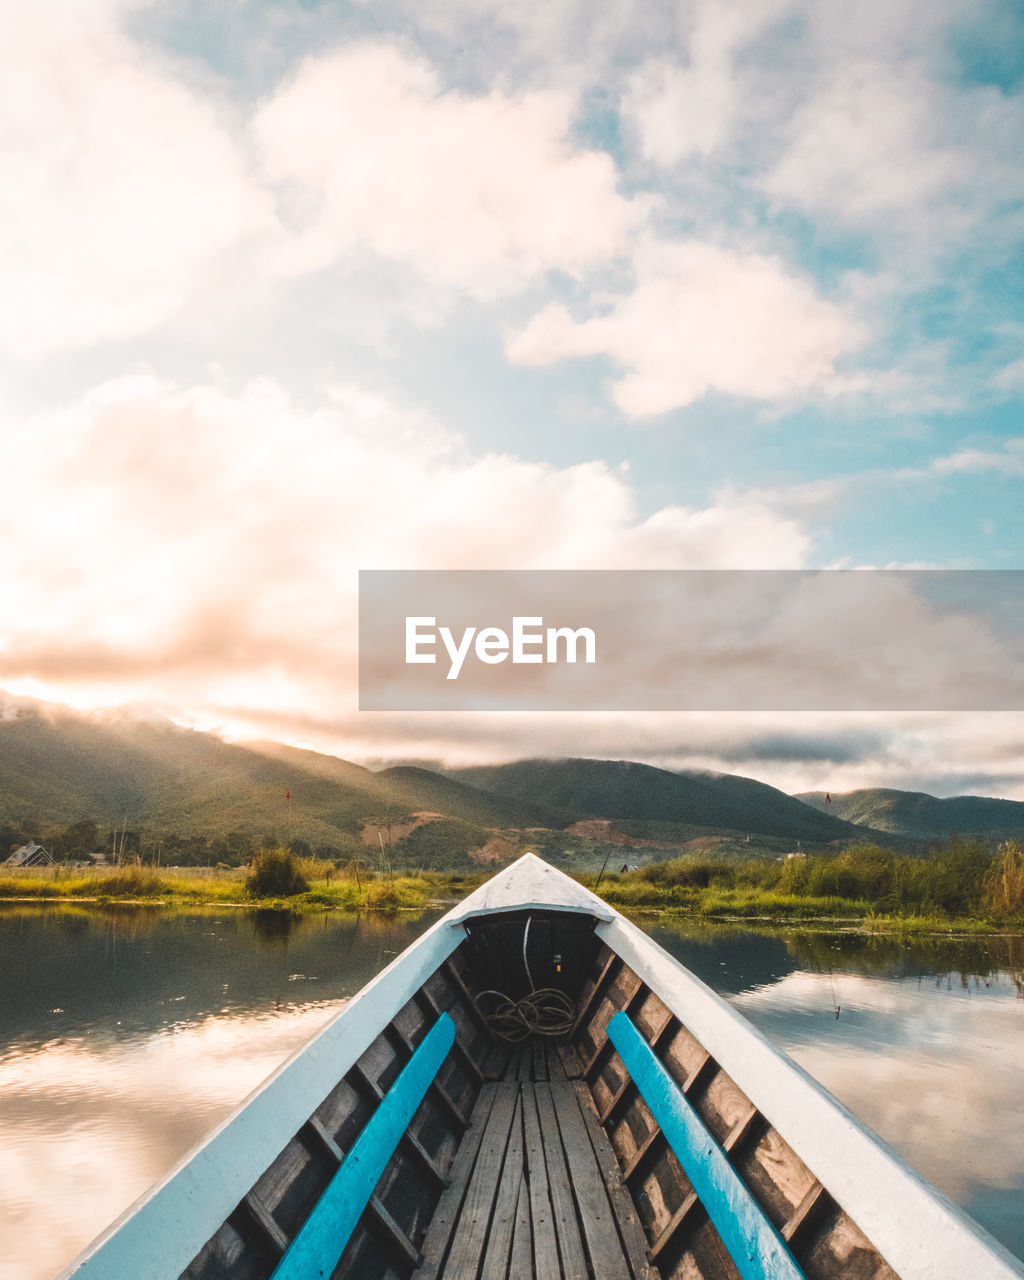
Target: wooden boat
x,y
535,1089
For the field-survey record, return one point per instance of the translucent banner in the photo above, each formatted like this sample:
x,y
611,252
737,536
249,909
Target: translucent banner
x,y
691,640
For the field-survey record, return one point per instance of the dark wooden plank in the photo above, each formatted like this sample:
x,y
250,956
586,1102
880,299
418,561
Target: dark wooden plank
x,y
442,1224
634,1240
570,1245
409,1143
521,1262
595,991
469,1063
437,1090
451,971
478,1206
639,1157
741,1131
398,1242
316,1129
366,1082
589,1182
503,1223
674,1225
571,1064
615,1099
744,1128
556,1066
637,993
668,1023
805,1211
545,1246
455,1113
524,1066
495,1061
261,1218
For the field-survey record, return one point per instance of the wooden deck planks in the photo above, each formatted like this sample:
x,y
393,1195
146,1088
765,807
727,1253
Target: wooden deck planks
x,y
474,1223
446,1215
521,1261
542,1217
570,1246
541,1196
506,1206
630,1229
597,1220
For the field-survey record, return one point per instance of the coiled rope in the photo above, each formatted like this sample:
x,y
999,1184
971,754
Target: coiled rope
x,y
547,1012
544,1012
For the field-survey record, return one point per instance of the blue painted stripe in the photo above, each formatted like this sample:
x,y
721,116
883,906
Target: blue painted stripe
x,y
754,1245
321,1241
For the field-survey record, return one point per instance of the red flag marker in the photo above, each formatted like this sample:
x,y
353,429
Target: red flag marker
x,y
828,797
287,795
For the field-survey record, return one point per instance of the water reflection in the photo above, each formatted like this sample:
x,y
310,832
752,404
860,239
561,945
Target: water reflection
x,y
274,928
134,971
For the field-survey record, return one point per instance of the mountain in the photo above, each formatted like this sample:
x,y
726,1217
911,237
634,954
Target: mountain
x,y
917,814
622,790
59,767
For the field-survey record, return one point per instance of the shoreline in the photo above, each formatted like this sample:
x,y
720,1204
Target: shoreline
x,y
301,905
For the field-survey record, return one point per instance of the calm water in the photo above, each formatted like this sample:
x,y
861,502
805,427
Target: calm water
x,y
124,1037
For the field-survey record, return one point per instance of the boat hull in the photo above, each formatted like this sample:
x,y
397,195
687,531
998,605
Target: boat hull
x,y
536,1089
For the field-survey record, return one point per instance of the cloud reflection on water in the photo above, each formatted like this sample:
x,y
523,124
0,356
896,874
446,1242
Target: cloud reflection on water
x,y
89,1127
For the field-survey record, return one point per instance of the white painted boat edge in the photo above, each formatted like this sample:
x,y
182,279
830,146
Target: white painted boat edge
x,y
528,884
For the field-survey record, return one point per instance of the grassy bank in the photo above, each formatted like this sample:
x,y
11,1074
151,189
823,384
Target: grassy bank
x,y
963,888
325,888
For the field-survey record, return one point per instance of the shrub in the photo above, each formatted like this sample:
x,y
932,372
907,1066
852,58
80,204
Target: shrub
x,y
1004,883
276,873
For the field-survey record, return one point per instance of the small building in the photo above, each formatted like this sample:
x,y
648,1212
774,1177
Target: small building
x,y
29,855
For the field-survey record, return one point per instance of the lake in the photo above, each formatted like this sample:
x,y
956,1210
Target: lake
x,y
125,1035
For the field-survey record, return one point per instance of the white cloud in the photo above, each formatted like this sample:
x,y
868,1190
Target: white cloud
x,y
689,109
200,550
885,144
703,319
120,187
371,154
1011,376
865,146
1008,461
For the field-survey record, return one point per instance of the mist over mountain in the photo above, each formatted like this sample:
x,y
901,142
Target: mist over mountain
x,y
60,767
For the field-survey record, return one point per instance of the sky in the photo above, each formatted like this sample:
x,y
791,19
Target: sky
x,y
296,289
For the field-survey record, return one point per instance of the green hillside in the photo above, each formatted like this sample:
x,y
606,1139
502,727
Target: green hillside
x,y
190,796
640,794
919,815
58,767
